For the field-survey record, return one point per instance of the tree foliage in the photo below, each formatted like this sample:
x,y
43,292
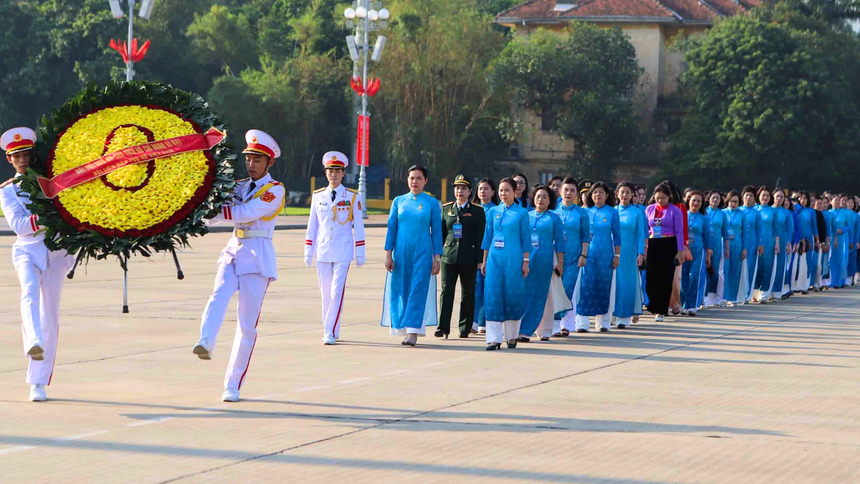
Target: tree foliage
x,y
581,84
770,95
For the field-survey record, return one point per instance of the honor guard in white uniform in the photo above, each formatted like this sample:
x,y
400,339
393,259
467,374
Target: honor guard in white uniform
x,y
40,271
335,234
247,264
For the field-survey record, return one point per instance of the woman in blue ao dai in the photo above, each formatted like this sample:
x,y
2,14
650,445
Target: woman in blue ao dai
x,y
413,247
765,273
486,196
575,222
785,231
628,290
547,255
719,225
809,240
823,207
753,239
693,272
839,254
736,255
507,245
851,206
595,285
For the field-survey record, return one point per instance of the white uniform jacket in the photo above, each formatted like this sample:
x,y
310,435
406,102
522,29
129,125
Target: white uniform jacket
x,y
335,228
254,214
30,246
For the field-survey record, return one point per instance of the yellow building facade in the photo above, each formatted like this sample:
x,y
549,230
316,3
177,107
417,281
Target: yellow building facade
x,y
652,26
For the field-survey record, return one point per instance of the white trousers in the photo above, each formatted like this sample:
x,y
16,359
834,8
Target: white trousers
x,y
600,321
500,331
40,316
332,282
715,298
252,290
545,328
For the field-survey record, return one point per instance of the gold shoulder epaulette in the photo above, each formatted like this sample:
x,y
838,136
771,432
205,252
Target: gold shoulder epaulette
x,y
3,185
353,190
319,190
448,204
275,183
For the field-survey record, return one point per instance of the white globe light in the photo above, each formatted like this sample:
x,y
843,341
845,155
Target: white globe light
x,y
384,14
361,12
374,15
349,13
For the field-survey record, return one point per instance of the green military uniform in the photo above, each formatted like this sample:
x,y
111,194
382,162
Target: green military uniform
x,y
460,258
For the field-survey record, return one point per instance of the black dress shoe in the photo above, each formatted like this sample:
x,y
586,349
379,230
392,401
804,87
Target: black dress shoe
x,y
464,335
523,339
494,346
511,344
545,338
440,334
604,330
581,330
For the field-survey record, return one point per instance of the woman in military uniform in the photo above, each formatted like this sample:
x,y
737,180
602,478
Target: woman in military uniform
x,y
462,233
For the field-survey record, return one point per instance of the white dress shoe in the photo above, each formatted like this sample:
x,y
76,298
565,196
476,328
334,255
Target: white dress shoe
x,y
328,339
202,349
36,352
37,393
230,395
658,318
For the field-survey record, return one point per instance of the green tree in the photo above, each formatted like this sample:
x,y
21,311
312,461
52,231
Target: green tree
x,y
301,101
581,84
434,106
766,100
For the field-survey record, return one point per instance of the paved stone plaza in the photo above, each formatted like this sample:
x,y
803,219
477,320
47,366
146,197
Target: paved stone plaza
x,y
758,394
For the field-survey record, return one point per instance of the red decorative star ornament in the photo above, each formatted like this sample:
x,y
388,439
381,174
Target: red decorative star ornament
x,y
136,54
372,86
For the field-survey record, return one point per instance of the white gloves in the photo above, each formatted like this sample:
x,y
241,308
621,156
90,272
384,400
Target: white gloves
x,y
309,260
359,261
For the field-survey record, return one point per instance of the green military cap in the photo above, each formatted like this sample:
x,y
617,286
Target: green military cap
x,y
585,185
462,180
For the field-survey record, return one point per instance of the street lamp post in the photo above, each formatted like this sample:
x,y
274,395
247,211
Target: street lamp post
x,y
145,11
367,16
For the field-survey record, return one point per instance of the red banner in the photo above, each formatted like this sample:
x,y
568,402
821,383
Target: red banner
x,y
359,142
366,155
132,155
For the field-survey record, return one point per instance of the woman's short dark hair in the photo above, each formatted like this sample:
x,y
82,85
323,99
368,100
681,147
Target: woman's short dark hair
x,y
692,193
554,178
763,189
722,198
569,180
625,184
610,196
510,182
749,189
552,196
732,194
523,177
675,195
778,189
495,198
664,189
417,168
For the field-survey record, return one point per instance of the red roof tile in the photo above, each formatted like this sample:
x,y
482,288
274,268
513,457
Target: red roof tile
x,y
670,10
619,8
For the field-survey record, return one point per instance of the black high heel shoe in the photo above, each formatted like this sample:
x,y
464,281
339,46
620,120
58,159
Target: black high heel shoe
x,y
494,346
439,334
511,344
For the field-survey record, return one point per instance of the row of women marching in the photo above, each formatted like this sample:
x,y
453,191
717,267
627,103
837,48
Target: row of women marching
x,y
547,260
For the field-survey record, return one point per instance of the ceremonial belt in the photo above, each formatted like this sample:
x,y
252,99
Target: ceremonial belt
x,y
252,234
